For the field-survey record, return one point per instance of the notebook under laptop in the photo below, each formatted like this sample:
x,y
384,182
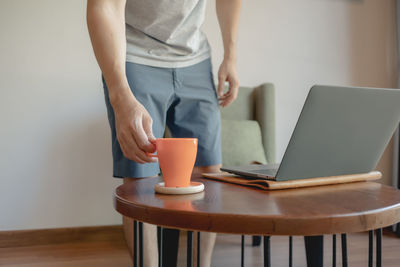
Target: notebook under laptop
x,y
341,130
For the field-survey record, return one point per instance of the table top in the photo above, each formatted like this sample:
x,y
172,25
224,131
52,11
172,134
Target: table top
x,y
228,208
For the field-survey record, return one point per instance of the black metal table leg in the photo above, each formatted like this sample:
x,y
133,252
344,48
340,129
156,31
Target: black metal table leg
x,y
398,229
267,251
379,247
255,240
344,250
160,245
370,248
170,247
134,245
290,251
242,253
314,250
141,254
198,249
333,250
189,249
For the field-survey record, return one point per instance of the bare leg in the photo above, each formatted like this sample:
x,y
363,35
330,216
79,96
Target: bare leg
x,y
149,239
207,240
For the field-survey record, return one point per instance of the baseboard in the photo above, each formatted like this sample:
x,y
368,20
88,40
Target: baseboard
x,y
60,235
110,233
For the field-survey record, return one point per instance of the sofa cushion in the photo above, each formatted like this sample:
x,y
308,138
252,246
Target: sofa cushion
x,y
241,142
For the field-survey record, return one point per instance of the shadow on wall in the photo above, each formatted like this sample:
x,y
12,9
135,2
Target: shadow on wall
x,y
372,43
372,49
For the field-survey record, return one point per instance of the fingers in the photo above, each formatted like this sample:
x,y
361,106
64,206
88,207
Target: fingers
x,y
227,72
226,101
221,85
135,144
143,156
134,132
138,132
143,146
231,95
130,149
148,129
227,94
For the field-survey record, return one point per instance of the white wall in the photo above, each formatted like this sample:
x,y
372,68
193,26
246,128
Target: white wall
x,y
55,159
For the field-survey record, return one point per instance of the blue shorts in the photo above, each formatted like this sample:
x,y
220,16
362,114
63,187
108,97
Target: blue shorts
x,y
184,99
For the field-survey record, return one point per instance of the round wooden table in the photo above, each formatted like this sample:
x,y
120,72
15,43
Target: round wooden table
x,y
228,208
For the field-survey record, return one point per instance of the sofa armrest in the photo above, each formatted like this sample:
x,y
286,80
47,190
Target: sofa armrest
x,y
264,96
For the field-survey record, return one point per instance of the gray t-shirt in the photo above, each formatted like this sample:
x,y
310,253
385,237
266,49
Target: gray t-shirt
x,y
166,33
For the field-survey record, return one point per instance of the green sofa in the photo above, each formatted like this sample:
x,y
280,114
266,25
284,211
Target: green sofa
x,y
247,120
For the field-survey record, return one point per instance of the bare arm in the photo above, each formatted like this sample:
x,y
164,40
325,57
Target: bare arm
x,y
106,24
228,12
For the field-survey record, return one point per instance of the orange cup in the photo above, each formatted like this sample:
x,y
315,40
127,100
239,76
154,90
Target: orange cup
x,y
176,157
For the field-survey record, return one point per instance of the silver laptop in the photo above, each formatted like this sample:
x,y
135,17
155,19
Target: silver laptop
x,y
341,130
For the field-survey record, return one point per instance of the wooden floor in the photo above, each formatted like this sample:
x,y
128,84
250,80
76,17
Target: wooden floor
x,y
226,253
